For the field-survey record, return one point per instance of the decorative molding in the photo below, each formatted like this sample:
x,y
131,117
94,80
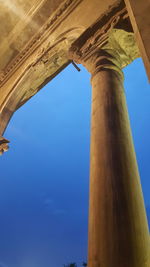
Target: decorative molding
x,y
81,51
111,45
64,10
49,60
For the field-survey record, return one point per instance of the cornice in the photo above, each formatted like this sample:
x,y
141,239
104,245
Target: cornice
x,y
112,34
83,48
59,15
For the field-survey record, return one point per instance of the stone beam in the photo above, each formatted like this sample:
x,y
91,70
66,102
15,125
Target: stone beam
x,y
139,12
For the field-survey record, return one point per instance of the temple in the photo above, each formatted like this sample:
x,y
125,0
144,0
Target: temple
x,y
39,38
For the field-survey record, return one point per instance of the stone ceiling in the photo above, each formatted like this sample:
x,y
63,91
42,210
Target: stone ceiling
x,y
20,21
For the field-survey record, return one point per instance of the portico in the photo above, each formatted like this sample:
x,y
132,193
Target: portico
x,y
103,36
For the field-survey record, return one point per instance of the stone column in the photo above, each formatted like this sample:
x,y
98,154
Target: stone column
x,y
118,229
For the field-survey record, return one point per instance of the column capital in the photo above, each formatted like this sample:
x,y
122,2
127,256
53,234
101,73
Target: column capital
x,y
3,145
110,45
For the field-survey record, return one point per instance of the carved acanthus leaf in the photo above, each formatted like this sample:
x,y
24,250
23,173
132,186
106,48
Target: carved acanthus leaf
x,y
114,40
98,39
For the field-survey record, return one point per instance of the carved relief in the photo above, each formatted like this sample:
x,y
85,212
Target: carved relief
x,y
116,41
36,41
50,59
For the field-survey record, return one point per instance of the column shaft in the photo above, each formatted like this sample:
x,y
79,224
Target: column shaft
x,y
118,230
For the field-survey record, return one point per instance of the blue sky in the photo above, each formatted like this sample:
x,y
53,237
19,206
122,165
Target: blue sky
x,y
45,173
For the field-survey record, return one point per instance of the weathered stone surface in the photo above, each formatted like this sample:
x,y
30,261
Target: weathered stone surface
x,y
123,45
21,20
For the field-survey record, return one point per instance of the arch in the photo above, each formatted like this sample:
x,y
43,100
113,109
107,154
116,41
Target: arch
x,y
11,101
24,89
